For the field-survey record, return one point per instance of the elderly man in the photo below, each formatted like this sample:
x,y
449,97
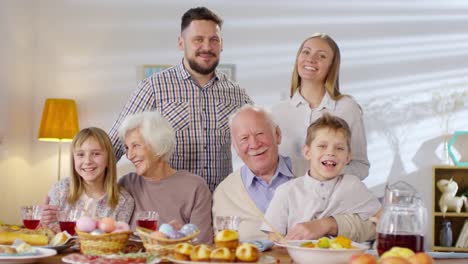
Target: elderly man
x,y
248,191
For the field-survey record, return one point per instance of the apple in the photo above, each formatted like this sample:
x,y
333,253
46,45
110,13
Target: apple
x,y
421,258
362,259
394,260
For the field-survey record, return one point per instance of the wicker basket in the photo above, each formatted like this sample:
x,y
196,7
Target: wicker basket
x,y
161,246
104,244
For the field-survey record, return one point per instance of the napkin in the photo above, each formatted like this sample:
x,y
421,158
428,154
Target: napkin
x,y
262,245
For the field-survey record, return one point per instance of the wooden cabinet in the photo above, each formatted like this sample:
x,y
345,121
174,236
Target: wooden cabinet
x,y
460,175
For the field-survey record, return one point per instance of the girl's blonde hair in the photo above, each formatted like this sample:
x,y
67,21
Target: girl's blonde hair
x,y
332,81
77,184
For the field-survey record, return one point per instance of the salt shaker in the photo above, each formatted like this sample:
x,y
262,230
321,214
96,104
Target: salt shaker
x,y
445,235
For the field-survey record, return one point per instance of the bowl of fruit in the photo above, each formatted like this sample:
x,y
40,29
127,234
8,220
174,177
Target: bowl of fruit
x,y
325,250
101,237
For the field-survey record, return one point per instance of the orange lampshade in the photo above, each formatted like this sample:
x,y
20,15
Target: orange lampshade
x,y
59,120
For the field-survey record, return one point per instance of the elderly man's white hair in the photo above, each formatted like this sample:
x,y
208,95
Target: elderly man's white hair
x,y
155,130
259,109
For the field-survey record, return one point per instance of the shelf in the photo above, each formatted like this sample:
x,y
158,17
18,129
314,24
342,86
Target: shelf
x,y
458,220
451,214
449,249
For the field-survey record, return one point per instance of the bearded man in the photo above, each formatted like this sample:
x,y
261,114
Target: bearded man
x,y
195,98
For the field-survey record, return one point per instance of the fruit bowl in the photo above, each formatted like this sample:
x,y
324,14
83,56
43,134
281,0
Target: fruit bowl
x,y
305,255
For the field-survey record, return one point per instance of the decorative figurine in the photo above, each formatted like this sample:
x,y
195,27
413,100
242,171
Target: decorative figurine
x,y
445,235
448,201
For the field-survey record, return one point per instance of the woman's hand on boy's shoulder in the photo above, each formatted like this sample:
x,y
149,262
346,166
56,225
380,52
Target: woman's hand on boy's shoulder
x,y
313,229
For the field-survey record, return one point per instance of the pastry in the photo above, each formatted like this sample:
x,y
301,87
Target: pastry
x,y
8,238
182,251
200,253
247,253
227,238
24,248
222,255
7,250
59,239
38,237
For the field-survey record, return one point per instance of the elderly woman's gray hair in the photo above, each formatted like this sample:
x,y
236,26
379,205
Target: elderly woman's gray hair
x,y
155,130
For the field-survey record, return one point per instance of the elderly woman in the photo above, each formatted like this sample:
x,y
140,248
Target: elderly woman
x,y
176,195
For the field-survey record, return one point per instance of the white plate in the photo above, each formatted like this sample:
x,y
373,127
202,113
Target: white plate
x,y
262,260
59,248
43,253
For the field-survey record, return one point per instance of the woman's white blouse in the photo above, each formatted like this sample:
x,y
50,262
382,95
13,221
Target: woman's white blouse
x,y
294,116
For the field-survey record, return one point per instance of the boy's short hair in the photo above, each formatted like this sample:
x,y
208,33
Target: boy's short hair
x,y
331,122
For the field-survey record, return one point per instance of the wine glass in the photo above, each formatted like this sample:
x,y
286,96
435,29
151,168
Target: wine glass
x,y
67,220
147,219
31,215
227,222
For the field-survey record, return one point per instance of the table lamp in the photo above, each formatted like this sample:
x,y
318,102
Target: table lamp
x,y
59,123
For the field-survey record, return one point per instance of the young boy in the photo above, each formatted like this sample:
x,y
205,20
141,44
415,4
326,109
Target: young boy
x,y
324,191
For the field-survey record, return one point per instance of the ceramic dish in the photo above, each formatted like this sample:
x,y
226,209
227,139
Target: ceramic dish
x,y
303,255
42,253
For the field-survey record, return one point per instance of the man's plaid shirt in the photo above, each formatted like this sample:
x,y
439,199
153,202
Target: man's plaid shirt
x,y
199,116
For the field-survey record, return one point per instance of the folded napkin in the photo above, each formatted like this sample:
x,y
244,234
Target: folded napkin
x,y
262,245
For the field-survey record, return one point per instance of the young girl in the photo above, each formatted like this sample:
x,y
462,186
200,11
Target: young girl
x,y
92,188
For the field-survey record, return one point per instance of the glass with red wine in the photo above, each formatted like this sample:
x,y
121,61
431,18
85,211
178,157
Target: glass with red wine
x,y
31,215
148,219
67,220
404,219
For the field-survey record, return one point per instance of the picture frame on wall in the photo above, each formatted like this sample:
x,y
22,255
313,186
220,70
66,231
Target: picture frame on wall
x,y
228,69
150,69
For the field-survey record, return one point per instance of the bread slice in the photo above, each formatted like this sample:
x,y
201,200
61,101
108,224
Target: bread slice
x,y
59,239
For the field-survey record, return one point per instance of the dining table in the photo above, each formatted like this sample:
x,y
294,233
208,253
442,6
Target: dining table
x,y
280,254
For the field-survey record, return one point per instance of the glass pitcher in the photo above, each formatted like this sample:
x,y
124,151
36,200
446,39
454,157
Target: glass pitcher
x,y
404,220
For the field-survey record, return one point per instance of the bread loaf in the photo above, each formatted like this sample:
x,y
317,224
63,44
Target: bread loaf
x,y
7,238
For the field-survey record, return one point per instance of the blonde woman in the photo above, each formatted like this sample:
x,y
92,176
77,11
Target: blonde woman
x,y
315,91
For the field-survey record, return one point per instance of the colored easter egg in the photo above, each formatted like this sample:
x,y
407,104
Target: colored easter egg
x,y
85,224
107,224
166,229
188,229
174,234
158,234
121,227
97,232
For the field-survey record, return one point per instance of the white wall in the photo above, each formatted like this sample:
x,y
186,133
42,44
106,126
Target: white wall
x,y
16,119
395,55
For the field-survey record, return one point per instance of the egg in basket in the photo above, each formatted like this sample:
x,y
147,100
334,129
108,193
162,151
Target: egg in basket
x,y
110,237
164,240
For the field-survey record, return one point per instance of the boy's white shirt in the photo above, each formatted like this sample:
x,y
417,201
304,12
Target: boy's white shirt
x,y
305,198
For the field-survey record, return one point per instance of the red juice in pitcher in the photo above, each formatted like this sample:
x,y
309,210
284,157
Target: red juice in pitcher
x,y
386,241
31,223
